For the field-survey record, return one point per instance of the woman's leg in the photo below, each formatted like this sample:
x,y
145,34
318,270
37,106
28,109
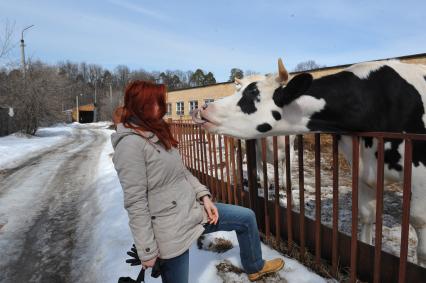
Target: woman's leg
x,y
175,270
243,221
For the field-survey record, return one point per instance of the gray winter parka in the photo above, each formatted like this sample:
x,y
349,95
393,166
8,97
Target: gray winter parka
x,y
161,196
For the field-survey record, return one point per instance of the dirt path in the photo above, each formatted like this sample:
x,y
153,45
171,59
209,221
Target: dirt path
x,y
44,197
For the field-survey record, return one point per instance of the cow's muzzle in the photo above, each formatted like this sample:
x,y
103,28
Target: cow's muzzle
x,y
197,118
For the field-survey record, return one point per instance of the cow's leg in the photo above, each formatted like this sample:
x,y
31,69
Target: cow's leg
x,y
418,211
284,180
292,152
367,211
259,165
421,245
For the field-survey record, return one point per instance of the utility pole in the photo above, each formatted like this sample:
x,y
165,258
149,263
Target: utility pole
x,y
95,106
77,110
110,97
22,50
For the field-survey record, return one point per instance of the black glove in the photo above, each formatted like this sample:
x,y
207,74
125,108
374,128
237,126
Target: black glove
x,y
135,260
156,269
125,280
140,279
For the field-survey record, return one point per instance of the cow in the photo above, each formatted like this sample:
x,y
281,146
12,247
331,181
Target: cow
x,y
378,96
242,83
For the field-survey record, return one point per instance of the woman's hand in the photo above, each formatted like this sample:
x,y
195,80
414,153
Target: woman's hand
x,y
213,214
149,263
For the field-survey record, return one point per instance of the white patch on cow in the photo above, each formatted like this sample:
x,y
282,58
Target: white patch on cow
x,y
304,106
418,210
310,104
363,70
367,163
296,115
11,112
418,195
413,74
387,145
424,116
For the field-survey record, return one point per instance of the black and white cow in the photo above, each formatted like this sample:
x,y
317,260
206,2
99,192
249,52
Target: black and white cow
x,y
384,96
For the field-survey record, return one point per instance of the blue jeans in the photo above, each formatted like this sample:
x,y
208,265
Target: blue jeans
x,y
231,218
175,270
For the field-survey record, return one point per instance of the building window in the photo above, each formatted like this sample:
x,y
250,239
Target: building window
x,y
180,108
208,100
169,109
193,104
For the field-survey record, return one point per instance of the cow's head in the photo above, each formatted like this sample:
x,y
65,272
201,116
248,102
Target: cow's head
x,y
261,106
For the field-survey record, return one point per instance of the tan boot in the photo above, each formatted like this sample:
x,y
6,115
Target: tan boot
x,y
270,266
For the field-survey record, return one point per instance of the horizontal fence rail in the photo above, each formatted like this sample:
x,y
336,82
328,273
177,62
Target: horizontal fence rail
x,y
231,167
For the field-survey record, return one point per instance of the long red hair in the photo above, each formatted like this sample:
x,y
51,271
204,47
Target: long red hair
x,y
138,113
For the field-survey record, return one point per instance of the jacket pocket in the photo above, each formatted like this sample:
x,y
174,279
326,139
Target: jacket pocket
x,y
163,203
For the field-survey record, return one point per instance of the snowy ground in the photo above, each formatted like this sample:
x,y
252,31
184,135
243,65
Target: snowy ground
x,y
40,202
62,217
18,148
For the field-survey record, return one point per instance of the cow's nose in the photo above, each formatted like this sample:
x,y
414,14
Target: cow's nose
x,y
204,106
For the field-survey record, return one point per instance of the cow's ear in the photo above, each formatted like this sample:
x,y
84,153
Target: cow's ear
x,y
296,87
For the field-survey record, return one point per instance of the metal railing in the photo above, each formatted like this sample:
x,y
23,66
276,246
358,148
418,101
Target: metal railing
x,y
217,161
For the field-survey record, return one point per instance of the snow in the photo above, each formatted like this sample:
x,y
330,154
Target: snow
x,y
32,193
293,271
17,148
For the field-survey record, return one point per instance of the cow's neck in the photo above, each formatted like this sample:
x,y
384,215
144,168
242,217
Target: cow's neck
x,y
344,109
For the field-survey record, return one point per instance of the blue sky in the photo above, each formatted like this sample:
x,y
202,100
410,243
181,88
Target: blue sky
x,y
217,35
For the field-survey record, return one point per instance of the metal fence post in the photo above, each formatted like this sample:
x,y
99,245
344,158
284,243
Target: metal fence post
x,y
252,175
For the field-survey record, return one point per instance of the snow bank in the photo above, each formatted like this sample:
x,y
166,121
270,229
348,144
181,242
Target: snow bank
x,y
104,230
17,148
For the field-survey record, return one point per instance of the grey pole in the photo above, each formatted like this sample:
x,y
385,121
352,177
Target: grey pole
x,y
110,97
95,106
77,110
22,50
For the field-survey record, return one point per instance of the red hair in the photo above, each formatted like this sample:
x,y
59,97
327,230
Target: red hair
x,y
116,116
140,98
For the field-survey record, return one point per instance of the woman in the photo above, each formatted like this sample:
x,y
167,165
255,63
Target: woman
x,y
169,208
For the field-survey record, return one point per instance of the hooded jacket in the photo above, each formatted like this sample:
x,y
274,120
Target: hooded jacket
x,y
161,196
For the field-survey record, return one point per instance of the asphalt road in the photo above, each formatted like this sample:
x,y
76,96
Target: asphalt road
x,y
46,195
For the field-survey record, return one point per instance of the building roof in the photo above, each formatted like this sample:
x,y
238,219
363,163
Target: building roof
x,y
85,107
203,86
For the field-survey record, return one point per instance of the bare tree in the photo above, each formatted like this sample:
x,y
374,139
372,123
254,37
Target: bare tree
x,y
307,66
95,74
83,71
6,38
122,74
250,73
69,69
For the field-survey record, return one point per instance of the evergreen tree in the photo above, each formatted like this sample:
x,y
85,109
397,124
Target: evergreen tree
x,y
236,73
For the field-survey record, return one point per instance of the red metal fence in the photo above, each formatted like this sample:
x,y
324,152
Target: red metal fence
x,y
217,161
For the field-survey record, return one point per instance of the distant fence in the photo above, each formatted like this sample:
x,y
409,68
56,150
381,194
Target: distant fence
x,y
7,123
217,161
